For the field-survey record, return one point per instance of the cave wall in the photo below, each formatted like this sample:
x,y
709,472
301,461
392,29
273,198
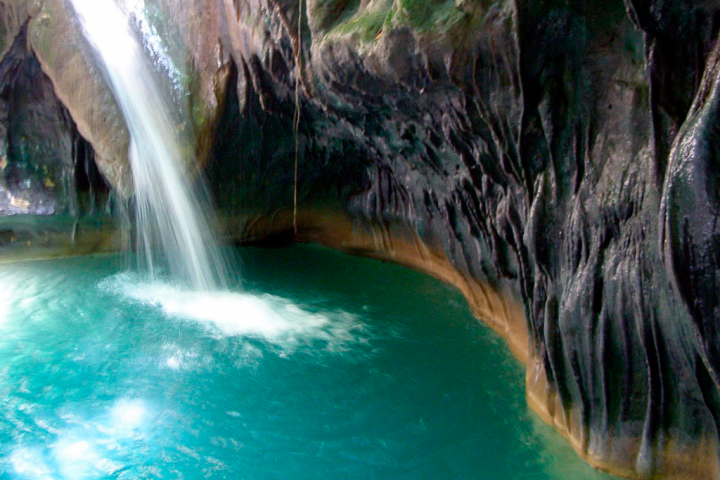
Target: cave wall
x,y
37,167
555,154
49,180
46,166
555,160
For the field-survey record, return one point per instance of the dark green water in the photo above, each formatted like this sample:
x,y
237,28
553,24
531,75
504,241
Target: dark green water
x,y
322,366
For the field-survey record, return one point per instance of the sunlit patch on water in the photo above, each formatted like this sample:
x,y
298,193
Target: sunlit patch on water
x,y
29,463
85,448
266,317
174,357
127,415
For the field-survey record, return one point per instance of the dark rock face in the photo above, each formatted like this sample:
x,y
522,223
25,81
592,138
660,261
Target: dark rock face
x,y
556,160
560,153
46,167
37,139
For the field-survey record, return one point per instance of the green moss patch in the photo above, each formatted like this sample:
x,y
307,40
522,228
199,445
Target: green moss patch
x,y
422,16
427,15
366,24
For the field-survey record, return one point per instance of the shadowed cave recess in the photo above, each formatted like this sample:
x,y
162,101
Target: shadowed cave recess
x,y
557,161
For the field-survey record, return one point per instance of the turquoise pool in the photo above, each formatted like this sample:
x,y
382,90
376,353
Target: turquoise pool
x,y
317,366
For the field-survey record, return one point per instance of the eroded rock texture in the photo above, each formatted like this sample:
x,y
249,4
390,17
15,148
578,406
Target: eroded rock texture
x,y
46,166
556,154
37,167
555,160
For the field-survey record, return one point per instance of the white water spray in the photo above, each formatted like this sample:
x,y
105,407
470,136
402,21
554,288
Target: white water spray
x,y
172,218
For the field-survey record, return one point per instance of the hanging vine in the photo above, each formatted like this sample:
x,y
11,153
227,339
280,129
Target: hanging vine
x,y
296,119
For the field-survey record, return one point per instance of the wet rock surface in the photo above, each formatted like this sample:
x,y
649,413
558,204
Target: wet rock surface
x,y
36,159
32,237
49,180
555,160
58,43
550,151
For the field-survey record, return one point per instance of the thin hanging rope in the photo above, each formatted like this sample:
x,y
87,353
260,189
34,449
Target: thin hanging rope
x,y
296,119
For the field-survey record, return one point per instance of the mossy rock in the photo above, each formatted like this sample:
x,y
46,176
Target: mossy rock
x,y
428,18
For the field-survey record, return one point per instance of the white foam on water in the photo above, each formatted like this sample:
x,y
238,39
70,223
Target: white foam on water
x,y
240,314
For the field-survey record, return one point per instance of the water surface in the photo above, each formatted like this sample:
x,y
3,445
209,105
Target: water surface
x,y
320,366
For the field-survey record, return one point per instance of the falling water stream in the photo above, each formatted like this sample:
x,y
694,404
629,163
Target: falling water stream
x,y
173,221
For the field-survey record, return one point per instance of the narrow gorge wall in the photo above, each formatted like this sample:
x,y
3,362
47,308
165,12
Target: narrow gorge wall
x,y
555,160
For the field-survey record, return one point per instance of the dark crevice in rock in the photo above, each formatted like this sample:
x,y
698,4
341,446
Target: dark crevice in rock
x,y
46,167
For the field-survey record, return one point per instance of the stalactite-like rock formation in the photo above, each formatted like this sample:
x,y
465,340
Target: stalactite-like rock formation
x,y
555,160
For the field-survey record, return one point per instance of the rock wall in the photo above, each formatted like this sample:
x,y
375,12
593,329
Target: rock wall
x,y
555,160
37,167
58,43
549,154
46,166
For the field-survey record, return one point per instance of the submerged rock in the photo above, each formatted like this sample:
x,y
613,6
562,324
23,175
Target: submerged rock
x,y
554,160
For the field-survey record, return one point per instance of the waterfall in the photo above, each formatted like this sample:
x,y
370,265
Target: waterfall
x,y
173,218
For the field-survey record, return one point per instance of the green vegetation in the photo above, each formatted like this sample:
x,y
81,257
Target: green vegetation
x,y
420,15
365,25
327,13
427,15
